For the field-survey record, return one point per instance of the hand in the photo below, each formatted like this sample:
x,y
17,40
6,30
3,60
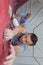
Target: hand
x,y
8,34
22,29
17,15
10,58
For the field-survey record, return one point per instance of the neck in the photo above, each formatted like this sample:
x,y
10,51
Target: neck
x,y
20,37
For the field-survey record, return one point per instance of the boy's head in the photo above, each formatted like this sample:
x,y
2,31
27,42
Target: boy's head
x,y
27,15
29,39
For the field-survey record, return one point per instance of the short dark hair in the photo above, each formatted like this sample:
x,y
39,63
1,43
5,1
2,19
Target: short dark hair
x,y
28,14
34,39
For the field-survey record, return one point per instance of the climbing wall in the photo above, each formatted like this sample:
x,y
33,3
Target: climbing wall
x,y
4,22
19,3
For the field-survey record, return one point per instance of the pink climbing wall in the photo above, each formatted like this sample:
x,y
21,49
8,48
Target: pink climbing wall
x,y
4,22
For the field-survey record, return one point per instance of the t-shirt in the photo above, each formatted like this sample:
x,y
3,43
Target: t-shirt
x,y
15,42
15,22
22,18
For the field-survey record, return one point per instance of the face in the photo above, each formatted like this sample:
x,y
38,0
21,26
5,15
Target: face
x,y
27,16
26,39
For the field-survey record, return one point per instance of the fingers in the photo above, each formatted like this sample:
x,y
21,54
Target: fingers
x,y
12,49
12,54
8,34
10,58
10,62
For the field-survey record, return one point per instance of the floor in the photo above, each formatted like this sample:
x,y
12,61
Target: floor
x,y
33,55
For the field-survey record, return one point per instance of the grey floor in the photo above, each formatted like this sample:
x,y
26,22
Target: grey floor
x,y
33,55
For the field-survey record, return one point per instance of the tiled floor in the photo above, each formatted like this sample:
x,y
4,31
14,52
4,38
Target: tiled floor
x,y
33,55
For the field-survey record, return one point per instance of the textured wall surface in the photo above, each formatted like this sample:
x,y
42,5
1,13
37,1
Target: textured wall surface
x,y
4,22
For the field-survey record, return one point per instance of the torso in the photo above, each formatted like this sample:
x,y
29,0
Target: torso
x,y
15,40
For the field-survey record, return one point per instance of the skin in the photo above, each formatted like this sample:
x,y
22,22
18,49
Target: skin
x,y
26,39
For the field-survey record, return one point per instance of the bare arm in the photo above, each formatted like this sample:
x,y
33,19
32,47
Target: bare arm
x,y
19,29
9,34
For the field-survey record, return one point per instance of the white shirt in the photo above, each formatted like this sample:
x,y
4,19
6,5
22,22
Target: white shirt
x,y
15,22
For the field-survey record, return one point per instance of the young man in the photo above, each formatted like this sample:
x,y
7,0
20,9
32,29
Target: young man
x,y
20,32
19,41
